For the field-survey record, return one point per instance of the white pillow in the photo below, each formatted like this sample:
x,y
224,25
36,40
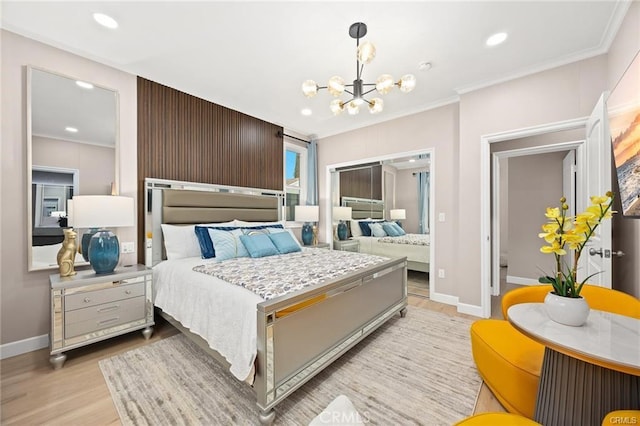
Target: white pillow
x,y
180,241
355,229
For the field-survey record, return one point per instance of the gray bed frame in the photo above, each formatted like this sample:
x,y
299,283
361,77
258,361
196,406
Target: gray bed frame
x,y
298,334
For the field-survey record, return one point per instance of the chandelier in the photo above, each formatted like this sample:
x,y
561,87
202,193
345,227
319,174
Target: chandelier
x,y
383,85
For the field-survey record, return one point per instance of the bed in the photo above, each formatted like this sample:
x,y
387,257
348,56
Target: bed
x,y
415,247
297,334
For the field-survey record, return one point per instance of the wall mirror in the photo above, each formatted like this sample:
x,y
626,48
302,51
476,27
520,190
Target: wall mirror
x,y
72,136
373,189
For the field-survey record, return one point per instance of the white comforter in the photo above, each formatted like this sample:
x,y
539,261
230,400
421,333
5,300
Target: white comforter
x,y
222,313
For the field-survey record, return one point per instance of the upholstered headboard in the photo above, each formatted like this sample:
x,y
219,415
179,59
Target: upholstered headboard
x,y
186,203
363,209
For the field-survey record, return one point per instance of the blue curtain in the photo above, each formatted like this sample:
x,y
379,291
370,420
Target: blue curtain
x,y
312,176
423,202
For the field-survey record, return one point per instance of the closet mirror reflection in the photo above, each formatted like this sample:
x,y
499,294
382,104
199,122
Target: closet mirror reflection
x,y
72,136
395,189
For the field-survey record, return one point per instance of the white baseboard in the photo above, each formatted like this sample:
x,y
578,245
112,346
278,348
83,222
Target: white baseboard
x,y
522,281
443,298
475,310
23,346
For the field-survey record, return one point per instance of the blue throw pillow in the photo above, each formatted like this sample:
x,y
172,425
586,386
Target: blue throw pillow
x,y
284,242
398,228
390,230
259,245
204,240
364,226
227,244
377,230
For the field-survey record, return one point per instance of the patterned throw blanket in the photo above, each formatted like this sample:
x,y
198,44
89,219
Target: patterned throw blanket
x,y
274,276
411,239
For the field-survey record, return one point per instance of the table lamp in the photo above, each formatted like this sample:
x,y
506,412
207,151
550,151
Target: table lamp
x,y
308,214
341,214
398,215
101,212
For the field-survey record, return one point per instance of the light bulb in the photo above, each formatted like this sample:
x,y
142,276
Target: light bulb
x,y
336,106
353,108
309,88
335,86
384,84
366,52
376,105
407,83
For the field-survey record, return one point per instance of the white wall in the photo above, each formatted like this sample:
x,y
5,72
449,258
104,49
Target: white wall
x,y
24,296
407,198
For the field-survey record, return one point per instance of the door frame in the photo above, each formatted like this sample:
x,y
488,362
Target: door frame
x,y
577,146
485,195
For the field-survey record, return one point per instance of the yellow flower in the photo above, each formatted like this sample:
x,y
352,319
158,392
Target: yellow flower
x,y
599,200
588,217
574,239
552,213
553,248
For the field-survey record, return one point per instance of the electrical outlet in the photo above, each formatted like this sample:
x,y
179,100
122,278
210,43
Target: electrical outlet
x,y
440,273
127,247
440,217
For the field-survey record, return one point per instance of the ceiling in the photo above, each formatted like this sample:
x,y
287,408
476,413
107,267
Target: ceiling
x,y
253,56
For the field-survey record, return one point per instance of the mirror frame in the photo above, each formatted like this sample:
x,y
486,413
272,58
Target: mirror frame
x,y
29,154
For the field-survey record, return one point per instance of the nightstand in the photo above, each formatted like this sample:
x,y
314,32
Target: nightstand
x,y
346,245
89,307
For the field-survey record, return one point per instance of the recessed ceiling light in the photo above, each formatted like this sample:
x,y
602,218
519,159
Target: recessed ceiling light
x,y
71,129
84,84
412,160
306,111
105,20
496,39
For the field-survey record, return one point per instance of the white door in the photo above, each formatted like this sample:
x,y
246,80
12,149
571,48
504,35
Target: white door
x,y
596,180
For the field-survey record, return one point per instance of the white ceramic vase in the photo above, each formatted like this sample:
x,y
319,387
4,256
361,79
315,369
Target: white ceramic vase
x,y
571,311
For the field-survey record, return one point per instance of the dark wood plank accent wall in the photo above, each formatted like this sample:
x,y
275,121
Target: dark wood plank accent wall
x,y
362,183
182,137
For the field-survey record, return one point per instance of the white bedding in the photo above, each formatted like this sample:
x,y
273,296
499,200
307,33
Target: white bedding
x,y
414,253
226,315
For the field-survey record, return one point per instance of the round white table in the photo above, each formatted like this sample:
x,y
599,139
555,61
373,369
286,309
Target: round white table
x,y
587,371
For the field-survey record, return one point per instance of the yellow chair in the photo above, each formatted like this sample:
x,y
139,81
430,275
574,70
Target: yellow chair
x,y
496,419
510,362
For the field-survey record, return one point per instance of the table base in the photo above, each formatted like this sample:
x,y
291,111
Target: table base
x,y
574,392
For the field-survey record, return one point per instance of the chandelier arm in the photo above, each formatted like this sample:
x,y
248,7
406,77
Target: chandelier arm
x,y
369,91
351,93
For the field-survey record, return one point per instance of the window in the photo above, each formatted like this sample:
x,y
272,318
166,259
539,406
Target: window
x,y
295,178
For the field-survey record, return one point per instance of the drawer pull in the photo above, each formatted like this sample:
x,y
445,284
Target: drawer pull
x,y
108,320
87,300
127,292
109,308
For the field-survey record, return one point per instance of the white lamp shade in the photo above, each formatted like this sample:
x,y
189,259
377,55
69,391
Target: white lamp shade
x,y
102,211
398,214
342,213
307,213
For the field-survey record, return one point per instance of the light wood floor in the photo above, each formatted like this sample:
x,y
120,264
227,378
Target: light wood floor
x,y
33,393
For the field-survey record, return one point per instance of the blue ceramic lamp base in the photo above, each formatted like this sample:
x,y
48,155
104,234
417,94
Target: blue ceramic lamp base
x,y
342,230
104,251
307,234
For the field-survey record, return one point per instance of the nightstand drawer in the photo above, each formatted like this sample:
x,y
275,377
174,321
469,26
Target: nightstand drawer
x,y
98,297
87,320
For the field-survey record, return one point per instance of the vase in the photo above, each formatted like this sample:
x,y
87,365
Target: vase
x,y
571,311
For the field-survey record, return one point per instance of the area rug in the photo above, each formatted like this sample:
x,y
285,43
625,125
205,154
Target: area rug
x,y
413,370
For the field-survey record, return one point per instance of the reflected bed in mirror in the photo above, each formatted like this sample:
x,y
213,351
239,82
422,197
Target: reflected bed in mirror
x,y
71,143
373,189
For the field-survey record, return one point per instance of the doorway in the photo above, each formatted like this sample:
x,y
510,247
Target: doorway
x,y
490,220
